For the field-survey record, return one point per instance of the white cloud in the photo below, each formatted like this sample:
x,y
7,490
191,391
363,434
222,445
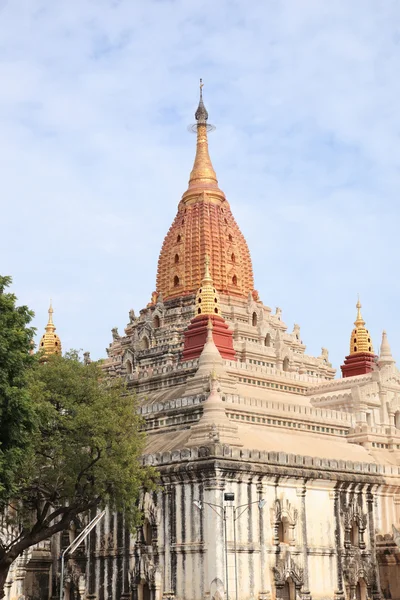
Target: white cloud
x,y
95,100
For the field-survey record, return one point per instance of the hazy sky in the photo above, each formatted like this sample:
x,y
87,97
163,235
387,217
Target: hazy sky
x,y
95,101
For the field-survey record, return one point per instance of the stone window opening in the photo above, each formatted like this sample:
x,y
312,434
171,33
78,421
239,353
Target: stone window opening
x,y
128,367
145,344
254,319
233,258
286,364
178,239
355,535
176,281
147,532
355,348
284,528
176,258
230,238
234,280
156,322
267,341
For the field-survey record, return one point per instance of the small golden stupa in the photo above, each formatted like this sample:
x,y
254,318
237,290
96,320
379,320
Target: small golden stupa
x,y
207,299
50,342
360,340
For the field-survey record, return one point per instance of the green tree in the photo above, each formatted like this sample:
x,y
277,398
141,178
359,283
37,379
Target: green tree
x,y
16,411
79,449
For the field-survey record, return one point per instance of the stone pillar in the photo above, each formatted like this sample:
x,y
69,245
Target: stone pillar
x,y
265,583
385,419
214,535
168,593
339,592
375,584
305,593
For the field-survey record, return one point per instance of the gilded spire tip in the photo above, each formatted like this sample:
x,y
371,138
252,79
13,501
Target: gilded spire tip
x,y
359,320
203,174
207,275
50,311
201,113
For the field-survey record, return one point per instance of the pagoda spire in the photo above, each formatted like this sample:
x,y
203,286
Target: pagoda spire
x,y
359,322
203,174
50,327
50,342
385,355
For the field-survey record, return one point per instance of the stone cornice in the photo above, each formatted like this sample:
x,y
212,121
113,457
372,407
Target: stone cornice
x,y
221,458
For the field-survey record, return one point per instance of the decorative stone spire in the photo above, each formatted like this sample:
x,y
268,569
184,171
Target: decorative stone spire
x,y
207,299
360,340
50,342
361,359
385,356
203,173
214,425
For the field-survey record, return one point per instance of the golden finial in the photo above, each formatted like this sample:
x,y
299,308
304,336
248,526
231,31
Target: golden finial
x,y
360,340
207,299
50,324
50,342
203,174
207,277
359,320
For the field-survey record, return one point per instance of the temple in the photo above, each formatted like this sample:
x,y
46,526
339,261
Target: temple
x,y
278,480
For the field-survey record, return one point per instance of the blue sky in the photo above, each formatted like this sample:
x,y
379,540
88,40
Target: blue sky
x,y
95,101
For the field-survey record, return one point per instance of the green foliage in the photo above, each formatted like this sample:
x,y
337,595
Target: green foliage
x,y
88,442
16,412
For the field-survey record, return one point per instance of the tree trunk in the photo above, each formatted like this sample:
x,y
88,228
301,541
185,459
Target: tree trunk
x,y
4,568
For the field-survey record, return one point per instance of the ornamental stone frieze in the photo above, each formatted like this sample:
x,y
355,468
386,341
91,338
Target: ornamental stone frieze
x,y
287,568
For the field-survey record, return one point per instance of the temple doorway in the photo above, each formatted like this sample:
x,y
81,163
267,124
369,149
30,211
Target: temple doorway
x,y
288,590
143,591
361,590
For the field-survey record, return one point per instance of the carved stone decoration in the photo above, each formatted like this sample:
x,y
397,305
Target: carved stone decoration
x,y
284,510
286,569
217,590
357,570
353,515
